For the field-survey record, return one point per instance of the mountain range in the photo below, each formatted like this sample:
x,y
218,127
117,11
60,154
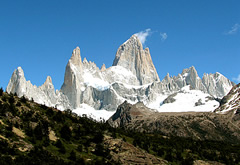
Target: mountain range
x,y
132,78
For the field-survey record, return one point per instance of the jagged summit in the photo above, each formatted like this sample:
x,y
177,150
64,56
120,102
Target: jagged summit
x,y
16,81
19,71
76,57
130,55
103,68
48,80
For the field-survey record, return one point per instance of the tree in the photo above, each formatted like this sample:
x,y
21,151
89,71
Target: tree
x,y
65,132
59,117
99,150
38,132
11,99
80,148
9,129
23,99
98,137
61,147
58,143
72,155
134,142
1,91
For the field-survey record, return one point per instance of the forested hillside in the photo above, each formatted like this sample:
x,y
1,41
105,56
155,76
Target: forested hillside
x,y
35,134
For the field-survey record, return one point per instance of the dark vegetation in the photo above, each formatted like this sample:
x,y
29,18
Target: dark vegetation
x,y
80,140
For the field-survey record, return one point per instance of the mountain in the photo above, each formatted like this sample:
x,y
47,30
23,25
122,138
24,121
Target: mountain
x,y
132,77
196,125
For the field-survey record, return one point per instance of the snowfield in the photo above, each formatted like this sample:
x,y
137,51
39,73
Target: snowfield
x,y
185,101
98,115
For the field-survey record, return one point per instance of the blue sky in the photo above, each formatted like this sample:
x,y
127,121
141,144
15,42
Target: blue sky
x,y
39,35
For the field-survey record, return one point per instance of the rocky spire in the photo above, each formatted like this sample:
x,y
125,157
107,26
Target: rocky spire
x,y
191,78
167,78
17,82
132,56
48,80
73,78
103,68
76,57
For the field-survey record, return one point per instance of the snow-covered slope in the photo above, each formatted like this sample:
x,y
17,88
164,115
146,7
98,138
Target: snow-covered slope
x,y
85,109
185,100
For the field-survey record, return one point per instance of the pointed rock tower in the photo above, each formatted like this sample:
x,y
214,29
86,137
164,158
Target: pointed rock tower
x,y
73,78
191,78
131,56
18,83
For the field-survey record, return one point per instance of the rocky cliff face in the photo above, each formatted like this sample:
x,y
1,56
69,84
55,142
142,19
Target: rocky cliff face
x,y
216,84
73,78
132,77
130,55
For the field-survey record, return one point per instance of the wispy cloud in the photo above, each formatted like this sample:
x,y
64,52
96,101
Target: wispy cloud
x,y
237,79
163,36
234,29
142,35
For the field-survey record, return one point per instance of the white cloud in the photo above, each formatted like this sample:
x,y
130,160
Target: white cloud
x,y
163,36
234,29
142,35
237,79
